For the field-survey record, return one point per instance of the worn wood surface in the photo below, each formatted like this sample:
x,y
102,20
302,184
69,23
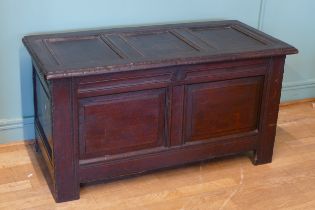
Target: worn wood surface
x,y
120,102
124,49
288,183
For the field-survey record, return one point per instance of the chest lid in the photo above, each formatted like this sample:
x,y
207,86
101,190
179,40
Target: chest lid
x,y
127,49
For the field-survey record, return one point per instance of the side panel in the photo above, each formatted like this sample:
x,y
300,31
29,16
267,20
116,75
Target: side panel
x,y
43,120
43,111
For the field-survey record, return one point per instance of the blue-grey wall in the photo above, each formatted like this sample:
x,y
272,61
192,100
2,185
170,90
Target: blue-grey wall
x,y
293,22
287,20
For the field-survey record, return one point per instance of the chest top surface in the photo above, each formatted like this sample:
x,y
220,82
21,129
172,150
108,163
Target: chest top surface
x,y
127,49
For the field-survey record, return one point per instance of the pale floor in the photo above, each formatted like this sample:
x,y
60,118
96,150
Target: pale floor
x,y
229,183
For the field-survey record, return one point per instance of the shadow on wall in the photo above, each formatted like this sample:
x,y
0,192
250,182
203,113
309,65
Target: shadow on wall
x,y
26,85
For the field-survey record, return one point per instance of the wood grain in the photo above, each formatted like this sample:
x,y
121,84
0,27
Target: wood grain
x,y
288,183
104,99
127,49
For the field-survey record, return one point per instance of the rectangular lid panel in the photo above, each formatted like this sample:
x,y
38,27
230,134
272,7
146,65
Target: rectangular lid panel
x,y
160,44
226,38
87,50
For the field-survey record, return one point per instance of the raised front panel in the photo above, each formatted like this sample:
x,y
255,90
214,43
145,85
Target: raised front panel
x,y
121,123
222,108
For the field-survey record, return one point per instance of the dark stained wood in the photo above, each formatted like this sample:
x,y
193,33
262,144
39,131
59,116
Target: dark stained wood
x,y
113,50
176,156
43,110
43,126
264,150
65,160
177,107
116,102
102,119
221,108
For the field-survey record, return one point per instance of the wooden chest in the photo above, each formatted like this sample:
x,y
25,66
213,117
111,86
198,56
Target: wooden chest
x,y
116,102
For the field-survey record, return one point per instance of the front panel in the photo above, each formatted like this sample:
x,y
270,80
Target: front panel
x,y
121,123
216,109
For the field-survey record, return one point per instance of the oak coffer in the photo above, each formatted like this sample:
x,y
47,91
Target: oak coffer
x,y
116,102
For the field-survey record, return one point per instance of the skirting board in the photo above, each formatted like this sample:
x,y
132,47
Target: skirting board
x,y
297,90
23,129
16,130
